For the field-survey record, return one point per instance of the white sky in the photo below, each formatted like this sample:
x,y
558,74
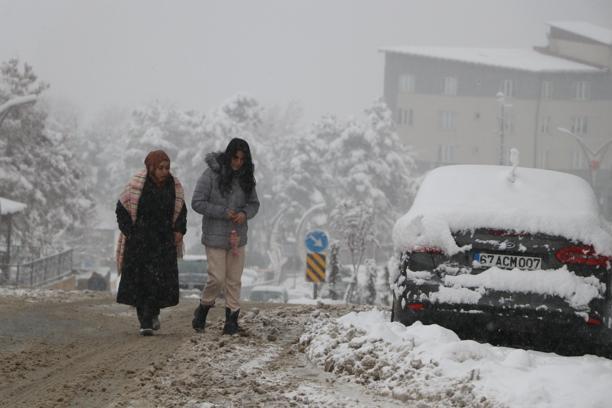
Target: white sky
x,y
198,53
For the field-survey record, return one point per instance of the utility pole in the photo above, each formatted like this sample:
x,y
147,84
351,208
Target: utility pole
x,y
501,119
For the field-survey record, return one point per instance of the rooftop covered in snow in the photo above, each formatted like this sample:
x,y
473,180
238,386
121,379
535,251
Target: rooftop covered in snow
x,y
522,59
10,207
585,29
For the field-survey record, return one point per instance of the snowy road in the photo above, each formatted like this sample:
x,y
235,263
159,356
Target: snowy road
x,y
81,349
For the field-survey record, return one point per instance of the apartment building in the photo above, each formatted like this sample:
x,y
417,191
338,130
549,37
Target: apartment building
x,y
471,105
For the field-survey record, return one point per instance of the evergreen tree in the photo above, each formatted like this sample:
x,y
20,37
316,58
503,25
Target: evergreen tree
x,y
39,167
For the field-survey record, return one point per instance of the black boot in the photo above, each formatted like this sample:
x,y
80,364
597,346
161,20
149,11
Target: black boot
x,y
145,317
199,318
156,323
231,322
139,314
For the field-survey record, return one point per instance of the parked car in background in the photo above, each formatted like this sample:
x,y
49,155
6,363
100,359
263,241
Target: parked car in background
x,y
193,271
269,293
515,256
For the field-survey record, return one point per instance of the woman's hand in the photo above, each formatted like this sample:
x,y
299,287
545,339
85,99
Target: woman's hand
x,y
239,217
178,238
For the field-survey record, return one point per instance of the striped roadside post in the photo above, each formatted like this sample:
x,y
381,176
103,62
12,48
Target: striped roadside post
x,y
316,242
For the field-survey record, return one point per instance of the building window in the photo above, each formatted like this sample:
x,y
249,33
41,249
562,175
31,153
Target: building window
x,y
545,124
507,87
446,153
582,90
446,120
406,83
579,161
450,86
405,117
547,90
580,125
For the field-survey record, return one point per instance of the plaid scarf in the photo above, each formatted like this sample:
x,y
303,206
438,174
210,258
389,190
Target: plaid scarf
x,y
129,199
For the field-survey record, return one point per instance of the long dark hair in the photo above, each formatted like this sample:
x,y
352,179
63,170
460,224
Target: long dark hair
x,y
245,175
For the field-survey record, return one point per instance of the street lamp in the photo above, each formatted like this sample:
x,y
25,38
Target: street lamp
x,y
593,156
501,118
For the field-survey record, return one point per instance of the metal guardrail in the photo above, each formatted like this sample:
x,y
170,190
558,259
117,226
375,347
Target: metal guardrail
x,y
41,271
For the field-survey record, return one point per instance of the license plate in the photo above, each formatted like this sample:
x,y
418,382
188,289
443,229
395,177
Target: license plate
x,y
507,261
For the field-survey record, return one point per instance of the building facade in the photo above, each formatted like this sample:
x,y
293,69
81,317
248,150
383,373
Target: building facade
x,y
465,105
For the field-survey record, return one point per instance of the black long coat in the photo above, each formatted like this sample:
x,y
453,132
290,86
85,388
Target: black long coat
x,y
149,274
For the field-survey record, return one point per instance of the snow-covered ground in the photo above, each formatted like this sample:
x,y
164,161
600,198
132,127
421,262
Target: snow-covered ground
x,y
429,363
422,365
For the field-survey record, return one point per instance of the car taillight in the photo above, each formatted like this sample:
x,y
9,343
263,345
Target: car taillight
x,y
416,307
581,254
428,250
593,321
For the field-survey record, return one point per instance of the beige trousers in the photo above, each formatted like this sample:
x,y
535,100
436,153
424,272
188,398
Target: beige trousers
x,y
224,272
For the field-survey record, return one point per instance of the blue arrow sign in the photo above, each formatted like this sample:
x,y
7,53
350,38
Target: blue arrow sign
x,y
316,241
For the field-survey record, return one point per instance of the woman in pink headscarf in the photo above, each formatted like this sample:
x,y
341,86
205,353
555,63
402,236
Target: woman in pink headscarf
x,y
152,217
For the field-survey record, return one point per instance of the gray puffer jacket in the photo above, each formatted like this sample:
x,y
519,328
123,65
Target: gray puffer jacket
x,y
208,201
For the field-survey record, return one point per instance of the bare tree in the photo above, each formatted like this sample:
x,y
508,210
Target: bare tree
x,y
353,222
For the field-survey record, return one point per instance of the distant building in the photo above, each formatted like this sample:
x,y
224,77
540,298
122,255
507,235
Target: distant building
x,y
461,105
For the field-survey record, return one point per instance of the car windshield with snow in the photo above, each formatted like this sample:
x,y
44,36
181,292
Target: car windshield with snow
x,y
518,256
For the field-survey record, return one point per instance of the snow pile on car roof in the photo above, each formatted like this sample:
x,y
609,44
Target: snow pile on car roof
x,y
464,197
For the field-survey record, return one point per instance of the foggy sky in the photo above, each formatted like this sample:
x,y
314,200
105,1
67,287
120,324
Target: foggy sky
x,y
321,53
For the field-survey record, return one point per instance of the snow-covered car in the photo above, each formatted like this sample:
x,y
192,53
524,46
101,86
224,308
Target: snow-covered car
x,y
269,293
513,255
193,271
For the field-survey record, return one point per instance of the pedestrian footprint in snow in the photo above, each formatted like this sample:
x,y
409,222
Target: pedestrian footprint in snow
x,y
225,196
152,218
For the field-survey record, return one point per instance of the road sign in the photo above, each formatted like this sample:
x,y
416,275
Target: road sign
x,y
316,241
315,267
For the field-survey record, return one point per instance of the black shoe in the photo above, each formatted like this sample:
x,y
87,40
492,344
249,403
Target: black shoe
x,y
231,322
146,332
156,324
199,318
139,313
145,317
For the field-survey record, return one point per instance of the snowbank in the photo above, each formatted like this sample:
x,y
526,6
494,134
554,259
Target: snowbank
x,y
430,365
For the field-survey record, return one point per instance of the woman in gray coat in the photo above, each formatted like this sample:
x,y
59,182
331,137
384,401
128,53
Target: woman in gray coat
x,y
225,196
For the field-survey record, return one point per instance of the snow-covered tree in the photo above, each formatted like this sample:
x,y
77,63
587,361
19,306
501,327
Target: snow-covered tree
x,y
102,144
384,292
333,274
353,222
39,166
162,126
369,295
